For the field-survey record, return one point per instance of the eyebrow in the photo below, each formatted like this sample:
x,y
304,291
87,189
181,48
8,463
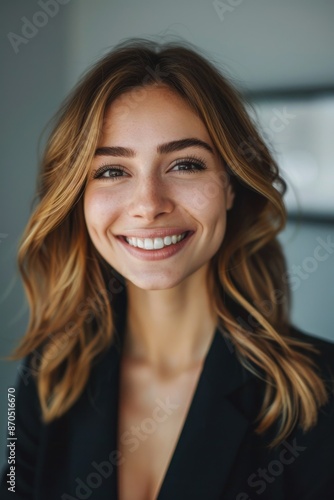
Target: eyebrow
x,y
168,147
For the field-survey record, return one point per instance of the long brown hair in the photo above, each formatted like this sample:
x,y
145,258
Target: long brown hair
x,y
72,310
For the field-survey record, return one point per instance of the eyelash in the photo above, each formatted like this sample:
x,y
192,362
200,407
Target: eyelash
x,y
188,161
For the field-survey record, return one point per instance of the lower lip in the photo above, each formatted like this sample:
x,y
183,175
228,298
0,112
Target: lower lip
x,y
162,253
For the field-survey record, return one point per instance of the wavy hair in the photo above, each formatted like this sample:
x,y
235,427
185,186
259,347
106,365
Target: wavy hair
x,y
68,284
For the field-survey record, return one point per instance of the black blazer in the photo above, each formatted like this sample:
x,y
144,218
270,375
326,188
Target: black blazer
x,y
217,456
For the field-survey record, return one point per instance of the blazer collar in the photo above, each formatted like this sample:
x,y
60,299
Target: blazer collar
x,y
213,430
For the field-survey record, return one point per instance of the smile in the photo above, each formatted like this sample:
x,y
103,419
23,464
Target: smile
x,y
155,243
158,248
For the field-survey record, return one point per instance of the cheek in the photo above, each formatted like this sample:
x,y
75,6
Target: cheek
x,y
100,209
214,215
208,197
209,201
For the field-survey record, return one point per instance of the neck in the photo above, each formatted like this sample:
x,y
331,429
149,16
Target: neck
x,y
170,329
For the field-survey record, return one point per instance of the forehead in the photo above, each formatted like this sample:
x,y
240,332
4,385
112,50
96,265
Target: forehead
x,y
151,114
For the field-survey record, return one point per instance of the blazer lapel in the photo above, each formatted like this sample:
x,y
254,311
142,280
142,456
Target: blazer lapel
x,y
213,430
210,438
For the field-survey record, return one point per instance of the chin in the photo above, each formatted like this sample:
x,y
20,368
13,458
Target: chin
x,y
155,282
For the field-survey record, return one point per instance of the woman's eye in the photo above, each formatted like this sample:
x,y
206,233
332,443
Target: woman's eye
x,y
112,173
108,173
189,167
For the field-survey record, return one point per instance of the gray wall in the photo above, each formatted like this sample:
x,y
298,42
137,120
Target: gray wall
x,y
311,274
261,44
34,82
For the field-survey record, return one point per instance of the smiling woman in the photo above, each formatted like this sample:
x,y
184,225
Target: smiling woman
x,y
160,361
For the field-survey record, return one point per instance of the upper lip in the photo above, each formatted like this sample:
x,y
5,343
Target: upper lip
x,y
155,233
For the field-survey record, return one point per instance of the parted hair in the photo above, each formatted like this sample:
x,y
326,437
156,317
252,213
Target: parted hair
x,y
72,311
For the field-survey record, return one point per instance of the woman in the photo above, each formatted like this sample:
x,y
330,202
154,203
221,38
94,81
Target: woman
x,y
159,359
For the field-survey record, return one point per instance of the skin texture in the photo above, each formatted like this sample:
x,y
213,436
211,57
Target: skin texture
x,y
169,318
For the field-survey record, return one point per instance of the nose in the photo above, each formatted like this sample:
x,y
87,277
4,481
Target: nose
x,y
149,199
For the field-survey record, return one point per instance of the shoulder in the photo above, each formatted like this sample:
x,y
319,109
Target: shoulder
x,y
311,338
324,357
324,365
315,447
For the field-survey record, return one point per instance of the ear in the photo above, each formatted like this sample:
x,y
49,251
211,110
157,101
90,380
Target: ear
x,y
230,194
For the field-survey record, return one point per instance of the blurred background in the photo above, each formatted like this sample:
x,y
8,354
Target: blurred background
x,y
280,54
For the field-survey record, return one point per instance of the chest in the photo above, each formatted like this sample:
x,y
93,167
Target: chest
x,y
152,413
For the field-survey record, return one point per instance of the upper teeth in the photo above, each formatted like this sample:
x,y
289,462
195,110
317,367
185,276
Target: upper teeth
x,y
155,243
